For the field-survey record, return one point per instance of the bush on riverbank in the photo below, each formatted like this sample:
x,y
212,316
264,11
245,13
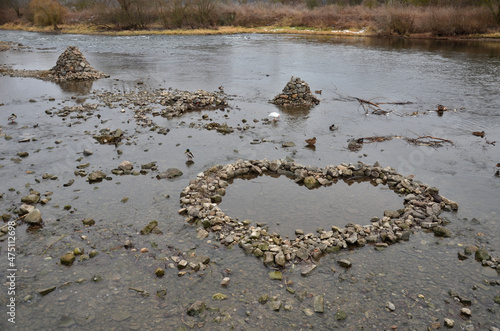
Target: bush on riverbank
x,y
422,17
45,12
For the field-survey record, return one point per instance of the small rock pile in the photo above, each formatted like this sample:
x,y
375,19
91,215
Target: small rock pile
x,y
72,66
295,94
422,207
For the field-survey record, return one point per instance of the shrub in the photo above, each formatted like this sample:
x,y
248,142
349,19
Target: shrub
x,y
46,12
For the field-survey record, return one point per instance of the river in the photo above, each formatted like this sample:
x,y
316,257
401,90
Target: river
x,y
408,79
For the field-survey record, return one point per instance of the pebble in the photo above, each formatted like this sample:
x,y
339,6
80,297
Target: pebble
x,y
225,281
466,312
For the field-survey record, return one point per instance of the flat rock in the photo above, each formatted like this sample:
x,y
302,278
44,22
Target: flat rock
x,y
305,270
170,173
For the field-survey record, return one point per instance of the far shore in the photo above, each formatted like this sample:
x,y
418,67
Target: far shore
x,y
90,29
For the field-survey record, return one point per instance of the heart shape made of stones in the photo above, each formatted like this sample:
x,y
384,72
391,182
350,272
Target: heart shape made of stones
x,y
422,208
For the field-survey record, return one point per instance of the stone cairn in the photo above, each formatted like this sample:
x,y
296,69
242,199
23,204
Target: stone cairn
x,y
296,93
72,66
422,207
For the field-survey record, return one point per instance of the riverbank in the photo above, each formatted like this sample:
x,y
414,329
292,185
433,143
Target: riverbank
x,y
92,29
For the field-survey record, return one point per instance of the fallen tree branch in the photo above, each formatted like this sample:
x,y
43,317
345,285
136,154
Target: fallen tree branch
x,y
362,102
433,141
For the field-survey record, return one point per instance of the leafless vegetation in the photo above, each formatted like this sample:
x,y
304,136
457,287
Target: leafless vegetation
x,y
385,17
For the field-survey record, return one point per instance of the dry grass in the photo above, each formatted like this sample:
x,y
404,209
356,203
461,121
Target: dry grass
x,y
277,18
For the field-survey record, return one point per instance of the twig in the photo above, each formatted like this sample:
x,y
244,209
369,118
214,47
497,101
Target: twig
x,y
435,138
437,141
18,219
53,244
361,101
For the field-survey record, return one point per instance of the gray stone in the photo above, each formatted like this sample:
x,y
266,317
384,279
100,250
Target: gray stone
x,y
31,198
311,182
391,213
287,144
88,221
196,308
46,291
449,323
441,231
305,270
68,258
344,263
276,275
25,208
303,254
225,281
482,254
280,259
170,173
466,312
318,304
34,217
96,176
126,166
275,304
340,315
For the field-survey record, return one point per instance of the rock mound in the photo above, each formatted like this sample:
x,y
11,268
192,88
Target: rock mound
x,y
72,66
295,94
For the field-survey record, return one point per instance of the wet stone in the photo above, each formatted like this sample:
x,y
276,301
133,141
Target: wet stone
x,y
68,258
275,275
344,263
482,254
441,231
34,217
46,291
196,308
318,304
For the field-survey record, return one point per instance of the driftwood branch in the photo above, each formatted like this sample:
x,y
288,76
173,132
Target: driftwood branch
x,y
357,144
363,102
431,141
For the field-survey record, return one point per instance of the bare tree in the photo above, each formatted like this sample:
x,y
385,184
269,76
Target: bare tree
x,y
494,6
17,5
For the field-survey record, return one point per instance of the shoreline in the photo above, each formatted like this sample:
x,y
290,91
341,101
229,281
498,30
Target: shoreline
x,y
86,29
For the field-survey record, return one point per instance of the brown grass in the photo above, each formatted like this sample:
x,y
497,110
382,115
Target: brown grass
x,y
45,12
445,20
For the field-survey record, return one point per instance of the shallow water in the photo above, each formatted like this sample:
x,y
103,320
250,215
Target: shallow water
x,y
416,275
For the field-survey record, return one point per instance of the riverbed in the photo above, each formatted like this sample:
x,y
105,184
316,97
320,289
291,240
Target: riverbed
x,y
405,286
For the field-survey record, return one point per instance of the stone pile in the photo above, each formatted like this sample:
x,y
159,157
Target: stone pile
x,y
72,66
422,207
296,93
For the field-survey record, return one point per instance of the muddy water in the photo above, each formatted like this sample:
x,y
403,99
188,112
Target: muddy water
x,y
415,276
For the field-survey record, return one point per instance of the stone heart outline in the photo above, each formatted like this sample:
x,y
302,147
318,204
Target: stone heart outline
x,y
200,200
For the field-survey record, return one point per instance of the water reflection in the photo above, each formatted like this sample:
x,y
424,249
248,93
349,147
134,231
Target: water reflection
x,y
289,206
473,48
79,87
